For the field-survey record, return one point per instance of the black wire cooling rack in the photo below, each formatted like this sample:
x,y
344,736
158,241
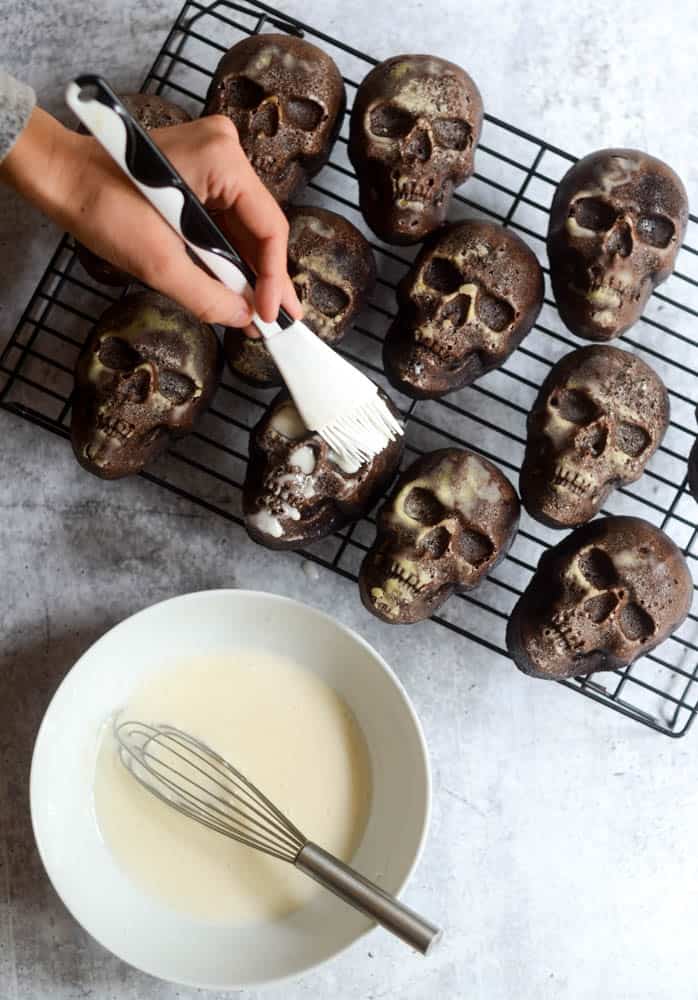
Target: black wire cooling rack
x,y
514,181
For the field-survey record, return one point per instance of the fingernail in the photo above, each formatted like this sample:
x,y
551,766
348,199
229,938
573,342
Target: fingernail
x,y
242,317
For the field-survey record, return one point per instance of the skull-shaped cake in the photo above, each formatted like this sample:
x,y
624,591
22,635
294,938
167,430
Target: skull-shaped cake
x,y
333,270
150,111
599,417
617,221
145,374
450,518
470,298
609,592
296,490
286,98
415,124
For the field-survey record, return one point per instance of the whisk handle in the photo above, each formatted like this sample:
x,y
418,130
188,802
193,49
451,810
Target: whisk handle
x,y
356,890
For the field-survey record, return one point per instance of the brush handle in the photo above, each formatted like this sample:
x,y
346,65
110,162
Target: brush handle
x,y
356,890
132,149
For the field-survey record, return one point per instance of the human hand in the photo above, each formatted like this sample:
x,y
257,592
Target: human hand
x,y
74,181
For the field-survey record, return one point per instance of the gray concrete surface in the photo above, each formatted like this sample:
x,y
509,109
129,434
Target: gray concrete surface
x,y
562,852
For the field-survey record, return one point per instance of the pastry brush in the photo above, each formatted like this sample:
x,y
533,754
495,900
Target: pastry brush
x,y
332,397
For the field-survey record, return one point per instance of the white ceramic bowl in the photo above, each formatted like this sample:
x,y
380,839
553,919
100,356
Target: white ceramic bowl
x,y
141,930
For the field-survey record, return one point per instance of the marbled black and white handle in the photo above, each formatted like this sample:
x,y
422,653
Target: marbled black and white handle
x,y
106,117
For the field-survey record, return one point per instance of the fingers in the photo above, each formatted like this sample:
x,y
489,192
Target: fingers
x,y
175,275
246,244
260,231
290,301
208,153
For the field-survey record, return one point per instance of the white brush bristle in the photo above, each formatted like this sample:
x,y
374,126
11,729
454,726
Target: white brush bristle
x,y
333,398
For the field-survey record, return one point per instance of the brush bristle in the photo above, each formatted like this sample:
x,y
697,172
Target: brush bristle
x,y
362,433
333,398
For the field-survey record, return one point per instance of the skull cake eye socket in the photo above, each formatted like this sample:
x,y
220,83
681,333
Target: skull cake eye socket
x,y
574,406
495,313
633,440
176,387
423,506
451,133
244,93
304,113
594,214
286,424
328,299
655,230
475,547
390,122
442,276
635,623
597,568
118,355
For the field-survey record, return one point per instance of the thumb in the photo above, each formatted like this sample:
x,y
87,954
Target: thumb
x,y
209,300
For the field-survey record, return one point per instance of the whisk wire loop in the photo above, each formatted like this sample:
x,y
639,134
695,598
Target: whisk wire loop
x,y
190,777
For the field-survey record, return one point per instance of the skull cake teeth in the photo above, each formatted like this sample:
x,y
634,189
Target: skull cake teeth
x,y
333,271
286,98
146,373
470,298
415,124
150,111
617,221
296,491
608,593
599,417
450,518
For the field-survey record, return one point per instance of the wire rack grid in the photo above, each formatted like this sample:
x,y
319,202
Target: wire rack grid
x,y
515,177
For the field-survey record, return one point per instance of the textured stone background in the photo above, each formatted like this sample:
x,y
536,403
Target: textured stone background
x,y
562,851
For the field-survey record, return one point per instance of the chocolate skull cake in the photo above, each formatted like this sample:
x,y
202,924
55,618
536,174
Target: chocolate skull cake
x,y
286,98
617,221
599,417
415,124
147,371
333,270
150,111
450,518
609,592
470,298
296,490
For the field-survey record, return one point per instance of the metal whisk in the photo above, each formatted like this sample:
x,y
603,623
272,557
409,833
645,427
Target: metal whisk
x,y
196,781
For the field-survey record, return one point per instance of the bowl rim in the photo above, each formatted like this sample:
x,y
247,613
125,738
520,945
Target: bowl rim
x,y
377,659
